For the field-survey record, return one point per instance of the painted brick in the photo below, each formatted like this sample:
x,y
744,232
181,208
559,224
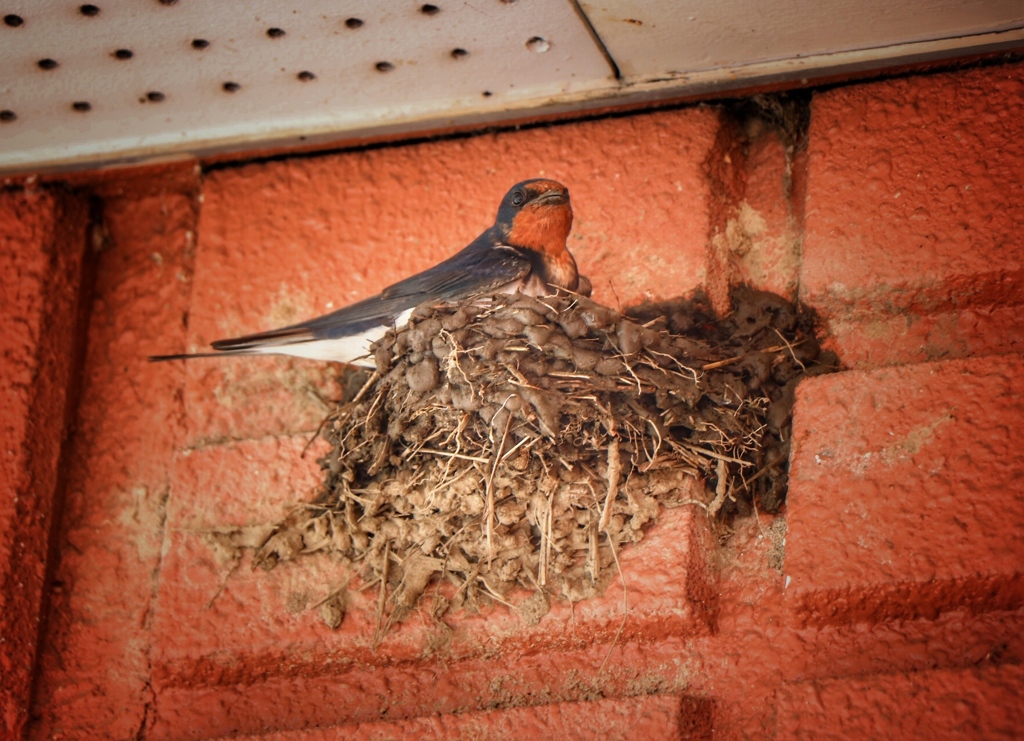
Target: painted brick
x,y
965,704
912,209
94,667
110,653
770,243
286,240
883,339
42,240
223,631
905,492
422,689
651,717
153,633
757,240
757,648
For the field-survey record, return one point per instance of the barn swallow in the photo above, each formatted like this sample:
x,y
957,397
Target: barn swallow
x,y
524,251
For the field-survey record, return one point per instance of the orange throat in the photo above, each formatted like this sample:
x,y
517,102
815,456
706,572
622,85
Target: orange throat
x,y
544,230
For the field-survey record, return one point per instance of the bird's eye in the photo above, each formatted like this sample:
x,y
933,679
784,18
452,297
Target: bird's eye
x,y
518,198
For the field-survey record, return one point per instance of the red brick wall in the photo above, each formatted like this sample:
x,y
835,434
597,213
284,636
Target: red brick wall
x,y
42,239
899,606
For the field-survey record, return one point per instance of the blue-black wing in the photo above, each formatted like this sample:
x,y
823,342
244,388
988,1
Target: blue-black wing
x,y
481,267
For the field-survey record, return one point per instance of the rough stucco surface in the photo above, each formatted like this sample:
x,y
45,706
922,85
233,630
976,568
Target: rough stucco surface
x,y
893,579
969,703
913,215
905,492
42,238
651,717
94,665
196,626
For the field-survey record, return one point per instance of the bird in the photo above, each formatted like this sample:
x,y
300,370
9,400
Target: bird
x,y
523,251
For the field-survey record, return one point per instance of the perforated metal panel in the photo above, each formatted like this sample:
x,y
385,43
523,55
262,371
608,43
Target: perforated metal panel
x,y
128,80
652,40
134,78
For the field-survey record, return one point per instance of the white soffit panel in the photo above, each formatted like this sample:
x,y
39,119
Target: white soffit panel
x,y
655,40
121,81
137,78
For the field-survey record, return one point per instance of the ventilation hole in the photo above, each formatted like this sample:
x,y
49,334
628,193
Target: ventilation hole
x,y
459,53
231,87
508,2
538,45
429,9
487,93
200,43
89,10
7,116
155,96
275,33
384,66
13,20
82,106
124,54
47,63
306,75
168,2
354,22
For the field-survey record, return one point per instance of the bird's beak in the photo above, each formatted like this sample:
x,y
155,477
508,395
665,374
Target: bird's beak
x,y
554,197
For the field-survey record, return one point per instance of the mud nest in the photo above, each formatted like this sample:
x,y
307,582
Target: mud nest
x,y
521,442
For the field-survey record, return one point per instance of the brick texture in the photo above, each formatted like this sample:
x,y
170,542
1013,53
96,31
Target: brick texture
x,y
755,237
261,261
222,631
652,717
966,704
42,240
913,216
94,666
887,600
905,496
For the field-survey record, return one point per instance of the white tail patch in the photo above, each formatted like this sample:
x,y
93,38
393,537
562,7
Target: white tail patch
x,y
354,349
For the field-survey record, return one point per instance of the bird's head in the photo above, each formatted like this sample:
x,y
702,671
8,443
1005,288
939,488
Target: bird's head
x,y
536,216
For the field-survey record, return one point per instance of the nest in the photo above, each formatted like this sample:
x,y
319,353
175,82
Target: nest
x,y
521,442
